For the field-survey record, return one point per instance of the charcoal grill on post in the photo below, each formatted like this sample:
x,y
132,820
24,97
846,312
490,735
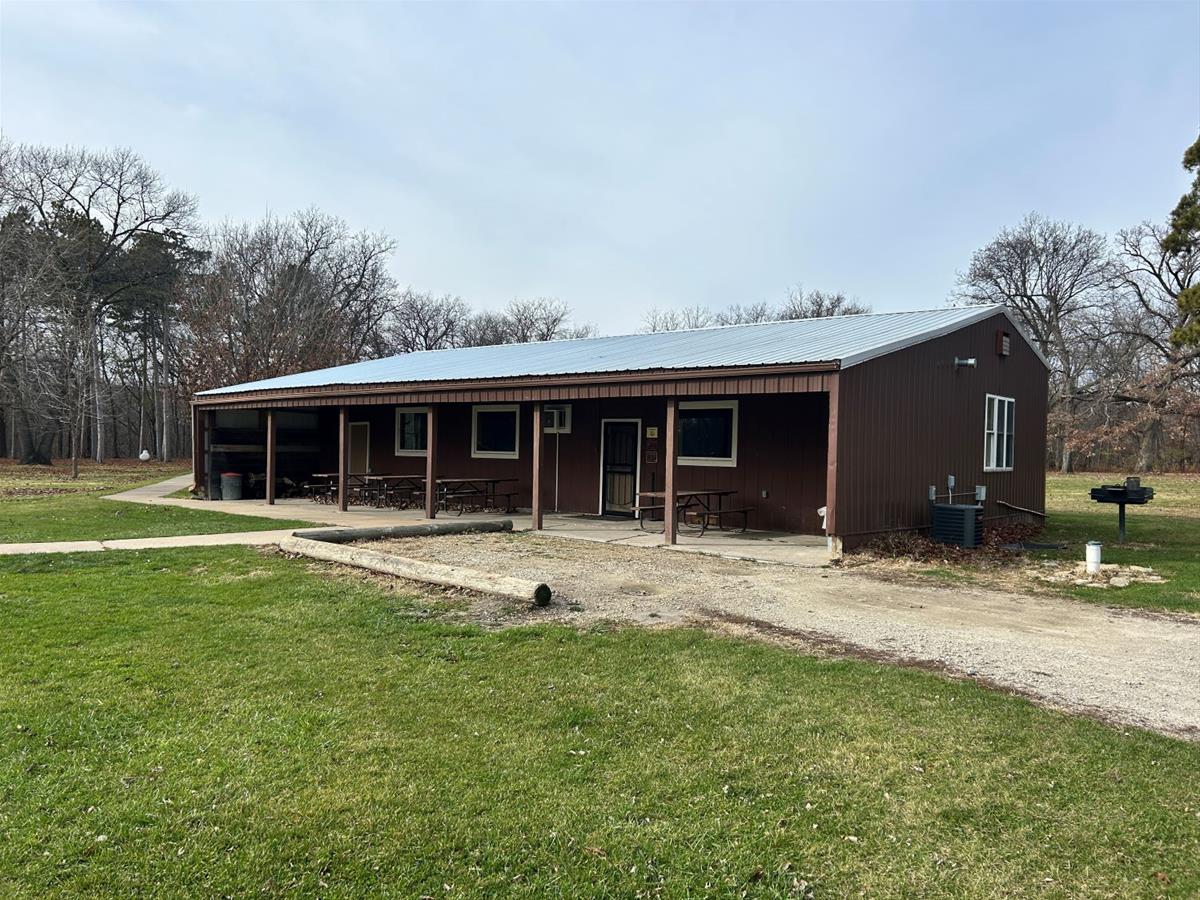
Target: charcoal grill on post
x,y
1129,492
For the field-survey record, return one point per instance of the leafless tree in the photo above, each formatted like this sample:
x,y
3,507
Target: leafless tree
x,y
1051,275
683,319
797,304
801,304
1158,378
422,321
94,205
284,295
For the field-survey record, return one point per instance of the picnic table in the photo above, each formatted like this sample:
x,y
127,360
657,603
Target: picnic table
x,y
455,492
705,506
323,487
393,490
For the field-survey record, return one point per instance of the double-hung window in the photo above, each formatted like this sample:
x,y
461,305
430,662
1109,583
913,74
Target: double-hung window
x,y
998,428
411,439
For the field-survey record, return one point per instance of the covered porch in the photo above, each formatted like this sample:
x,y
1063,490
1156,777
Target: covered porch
x,y
751,468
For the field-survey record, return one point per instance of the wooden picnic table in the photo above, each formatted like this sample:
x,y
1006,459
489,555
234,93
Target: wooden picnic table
x,y
705,503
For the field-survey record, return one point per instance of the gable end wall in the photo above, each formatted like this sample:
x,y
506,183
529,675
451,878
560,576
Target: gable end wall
x,y
909,419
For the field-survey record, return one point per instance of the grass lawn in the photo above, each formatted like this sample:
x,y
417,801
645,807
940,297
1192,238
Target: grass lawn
x,y
43,503
1163,534
220,722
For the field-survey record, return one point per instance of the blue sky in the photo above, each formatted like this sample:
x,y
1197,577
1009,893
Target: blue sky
x,y
624,156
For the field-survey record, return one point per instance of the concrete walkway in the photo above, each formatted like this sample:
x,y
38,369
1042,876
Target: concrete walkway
x,y
759,546
805,551
245,538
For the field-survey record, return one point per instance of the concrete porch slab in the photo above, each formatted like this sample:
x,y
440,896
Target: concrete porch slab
x,y
759,546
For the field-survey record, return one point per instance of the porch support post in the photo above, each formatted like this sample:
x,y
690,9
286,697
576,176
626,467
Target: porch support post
x,y
343,488
670,512
271,457
431,462
199,476
537,467
831,460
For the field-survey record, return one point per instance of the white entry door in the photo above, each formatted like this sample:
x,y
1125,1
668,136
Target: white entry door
x,y
360,448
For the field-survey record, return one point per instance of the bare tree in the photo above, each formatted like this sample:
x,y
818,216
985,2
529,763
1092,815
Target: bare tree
x,y
422,321
285,295
1160,378
684,319
796,305
800,304
94,205
1050,274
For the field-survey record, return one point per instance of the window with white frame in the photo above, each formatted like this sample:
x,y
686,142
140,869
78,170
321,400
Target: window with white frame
x,y
556,418
411,436
495,432
708,433
998,430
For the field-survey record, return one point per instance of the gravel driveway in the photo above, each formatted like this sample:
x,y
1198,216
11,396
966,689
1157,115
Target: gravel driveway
x,y
1121,665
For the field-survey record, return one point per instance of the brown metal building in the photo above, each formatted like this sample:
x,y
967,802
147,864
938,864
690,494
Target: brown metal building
x,y
859,415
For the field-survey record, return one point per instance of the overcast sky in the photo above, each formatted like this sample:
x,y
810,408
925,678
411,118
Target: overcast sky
x,y
624,156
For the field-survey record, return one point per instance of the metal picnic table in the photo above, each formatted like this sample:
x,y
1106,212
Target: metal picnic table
x,y
700,502
483,486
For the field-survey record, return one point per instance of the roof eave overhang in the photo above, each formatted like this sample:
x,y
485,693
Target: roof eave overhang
x,y
648,377
985,312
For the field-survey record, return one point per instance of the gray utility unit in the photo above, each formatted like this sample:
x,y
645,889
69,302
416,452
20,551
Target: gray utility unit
x,y
960,524
231,486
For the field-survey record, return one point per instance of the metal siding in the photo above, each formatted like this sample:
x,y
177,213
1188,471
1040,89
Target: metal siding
x,y
907,420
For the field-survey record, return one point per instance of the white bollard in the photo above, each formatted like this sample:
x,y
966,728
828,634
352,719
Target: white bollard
x,y
1093,557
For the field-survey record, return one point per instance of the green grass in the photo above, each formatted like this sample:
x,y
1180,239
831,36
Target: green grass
x,y
43,503
1164,534
83,517
221,722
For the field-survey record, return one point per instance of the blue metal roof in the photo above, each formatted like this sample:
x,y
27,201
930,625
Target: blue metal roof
x,y
841,340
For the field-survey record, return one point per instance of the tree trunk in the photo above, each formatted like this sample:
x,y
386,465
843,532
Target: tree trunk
x,y
1150,447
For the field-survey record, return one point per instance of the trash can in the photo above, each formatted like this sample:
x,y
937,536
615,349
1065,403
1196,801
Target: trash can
x,y
231,485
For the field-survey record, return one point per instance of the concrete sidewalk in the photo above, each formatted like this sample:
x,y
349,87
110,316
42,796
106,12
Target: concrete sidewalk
x,y
807,551
245,538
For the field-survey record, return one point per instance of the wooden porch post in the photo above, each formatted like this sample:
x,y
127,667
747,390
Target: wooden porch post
x,y
343,489
199,476
270,456
670,525
831,460
537,467
431,462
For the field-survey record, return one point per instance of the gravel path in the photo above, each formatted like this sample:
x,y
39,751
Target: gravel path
x,y
1124,666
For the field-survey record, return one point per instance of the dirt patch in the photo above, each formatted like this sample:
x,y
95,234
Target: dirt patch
x,y
1120,665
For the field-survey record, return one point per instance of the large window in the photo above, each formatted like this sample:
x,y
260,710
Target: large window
x,y
494,432
708,433
999,418
411,439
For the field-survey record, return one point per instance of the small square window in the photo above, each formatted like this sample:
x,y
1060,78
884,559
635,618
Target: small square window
x,y
556,419
495,432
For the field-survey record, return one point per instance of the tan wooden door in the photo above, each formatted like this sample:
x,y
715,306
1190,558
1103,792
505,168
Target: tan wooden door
x,y
360,448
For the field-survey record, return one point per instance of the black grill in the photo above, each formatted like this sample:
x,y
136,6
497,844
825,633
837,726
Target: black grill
x,y
1129,492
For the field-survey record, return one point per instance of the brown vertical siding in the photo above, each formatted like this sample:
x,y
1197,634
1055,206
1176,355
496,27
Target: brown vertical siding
x,y
781,450
909,419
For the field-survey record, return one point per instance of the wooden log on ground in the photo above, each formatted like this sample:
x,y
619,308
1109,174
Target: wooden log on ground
x,y
350,535
421,570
